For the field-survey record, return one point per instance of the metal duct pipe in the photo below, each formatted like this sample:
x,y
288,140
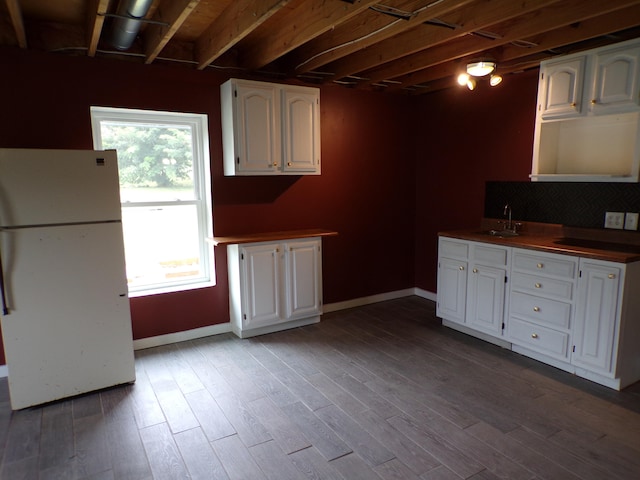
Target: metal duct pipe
x,y
127,24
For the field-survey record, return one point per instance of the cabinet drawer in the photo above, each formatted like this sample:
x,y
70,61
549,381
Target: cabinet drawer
x,y
543,286
490,255
538,338
541,310
545,265
453,249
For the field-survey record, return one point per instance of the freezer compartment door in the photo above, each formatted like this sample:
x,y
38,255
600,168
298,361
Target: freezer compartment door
x,y
68,330
43,187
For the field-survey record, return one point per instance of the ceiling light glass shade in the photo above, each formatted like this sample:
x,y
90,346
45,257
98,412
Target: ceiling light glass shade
x,y
495,80
463,78
471,83
480,69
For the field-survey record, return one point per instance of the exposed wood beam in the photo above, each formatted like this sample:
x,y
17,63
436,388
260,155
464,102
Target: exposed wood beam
x,y
297,26
477,16
534,23
591,28
357,34
237,21
95,21
172,12
16,20
512,58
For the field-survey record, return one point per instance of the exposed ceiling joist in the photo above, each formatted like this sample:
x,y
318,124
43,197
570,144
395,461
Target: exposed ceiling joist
x,y
173,13
399,46
15,16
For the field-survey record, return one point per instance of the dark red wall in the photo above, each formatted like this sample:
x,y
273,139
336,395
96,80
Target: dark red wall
x,y
366,191
466,138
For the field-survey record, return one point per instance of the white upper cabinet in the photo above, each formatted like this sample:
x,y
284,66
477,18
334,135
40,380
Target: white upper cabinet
x,y
270,129
301,123
616,80
588,116
561,83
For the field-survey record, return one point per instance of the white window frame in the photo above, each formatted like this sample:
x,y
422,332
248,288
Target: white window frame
x,y
202,184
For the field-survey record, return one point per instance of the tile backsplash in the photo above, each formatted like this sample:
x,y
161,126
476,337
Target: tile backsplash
x,y
568,203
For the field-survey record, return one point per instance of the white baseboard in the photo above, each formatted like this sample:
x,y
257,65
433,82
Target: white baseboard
x,y
359,302
207,331
169,338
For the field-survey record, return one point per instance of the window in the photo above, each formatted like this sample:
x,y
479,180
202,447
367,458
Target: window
x,y
165,192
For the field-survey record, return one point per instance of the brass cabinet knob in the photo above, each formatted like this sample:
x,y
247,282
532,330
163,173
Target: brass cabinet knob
x,y
288,164
475,270
573,104
536,309
461,268
537,285
593,102
611,275
275,164
540,265
534,335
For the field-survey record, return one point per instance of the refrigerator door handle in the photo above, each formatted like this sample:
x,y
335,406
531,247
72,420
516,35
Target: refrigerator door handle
x,y
3,298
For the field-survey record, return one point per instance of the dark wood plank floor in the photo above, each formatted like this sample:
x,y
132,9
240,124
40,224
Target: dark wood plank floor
x,y
383,391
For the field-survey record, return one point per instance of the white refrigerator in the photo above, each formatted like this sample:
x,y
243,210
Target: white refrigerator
x,y
66,323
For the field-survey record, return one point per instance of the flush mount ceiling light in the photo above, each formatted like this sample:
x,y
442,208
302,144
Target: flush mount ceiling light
x,y
480,69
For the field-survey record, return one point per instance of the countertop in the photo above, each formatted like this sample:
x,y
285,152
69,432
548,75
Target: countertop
x,y
599,244
271,236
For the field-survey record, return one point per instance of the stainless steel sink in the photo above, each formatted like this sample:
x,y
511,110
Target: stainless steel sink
x,y
500,233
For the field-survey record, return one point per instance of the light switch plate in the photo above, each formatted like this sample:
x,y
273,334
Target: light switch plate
x,y
631,221
614,220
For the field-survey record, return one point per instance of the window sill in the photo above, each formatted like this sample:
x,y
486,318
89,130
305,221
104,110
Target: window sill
x,y
171,289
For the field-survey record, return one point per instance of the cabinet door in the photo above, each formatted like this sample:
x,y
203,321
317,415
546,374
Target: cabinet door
x,y
485,299
452,289
301,123
257,128
261,285
561,85
596,314
303,278
616,84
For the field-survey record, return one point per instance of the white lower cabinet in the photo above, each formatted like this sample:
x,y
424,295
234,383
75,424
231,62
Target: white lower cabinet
x,y
542,302
486,288
471,286
274,285
607,330
577,314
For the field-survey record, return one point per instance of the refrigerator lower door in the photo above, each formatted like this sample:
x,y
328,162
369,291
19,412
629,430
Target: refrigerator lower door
x,y
68,330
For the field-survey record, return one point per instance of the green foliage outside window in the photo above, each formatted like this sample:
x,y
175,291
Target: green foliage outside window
x,y
151,156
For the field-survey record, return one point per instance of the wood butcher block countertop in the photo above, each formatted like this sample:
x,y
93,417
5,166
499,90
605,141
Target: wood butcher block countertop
x,y
600,244
271,236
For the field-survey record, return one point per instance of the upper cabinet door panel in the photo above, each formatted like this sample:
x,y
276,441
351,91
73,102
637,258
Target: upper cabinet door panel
x,y
616,83
562,83
258,132
302,130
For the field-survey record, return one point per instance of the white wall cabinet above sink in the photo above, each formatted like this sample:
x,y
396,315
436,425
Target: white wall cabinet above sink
x,y
270,129
588,116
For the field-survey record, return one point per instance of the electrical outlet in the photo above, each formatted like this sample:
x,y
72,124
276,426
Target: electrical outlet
x,y
631,221
614,220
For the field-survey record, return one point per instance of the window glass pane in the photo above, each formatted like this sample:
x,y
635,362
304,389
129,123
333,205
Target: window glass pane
x,y
155,161
161,244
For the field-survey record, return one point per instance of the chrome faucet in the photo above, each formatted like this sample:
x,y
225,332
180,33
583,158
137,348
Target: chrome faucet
x,y
507,211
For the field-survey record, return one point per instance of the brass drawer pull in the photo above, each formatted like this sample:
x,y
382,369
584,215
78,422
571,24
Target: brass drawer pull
x,y
475,270
540,265
534,335
611,275
536,309
537,285
461,268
